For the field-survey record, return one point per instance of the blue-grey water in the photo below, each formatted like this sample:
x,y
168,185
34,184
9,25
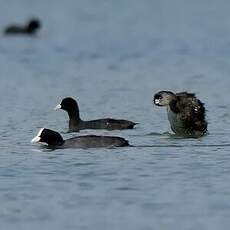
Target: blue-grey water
x,y
113,56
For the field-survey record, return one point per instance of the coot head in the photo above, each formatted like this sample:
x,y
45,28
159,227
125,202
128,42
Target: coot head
x,y
49,137
33,25
163,98
68,104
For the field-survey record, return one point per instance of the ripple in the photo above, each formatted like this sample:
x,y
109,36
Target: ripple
x,y
126,188
180,145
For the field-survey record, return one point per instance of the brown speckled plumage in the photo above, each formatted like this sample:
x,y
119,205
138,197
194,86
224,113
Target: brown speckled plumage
x,y
186,113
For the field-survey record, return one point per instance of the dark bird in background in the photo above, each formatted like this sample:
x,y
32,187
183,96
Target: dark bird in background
x,y
186,113
31,27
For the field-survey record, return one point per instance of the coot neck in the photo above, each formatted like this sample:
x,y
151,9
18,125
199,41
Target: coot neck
x,y
60,143
74,119
29,29
74,114
55,139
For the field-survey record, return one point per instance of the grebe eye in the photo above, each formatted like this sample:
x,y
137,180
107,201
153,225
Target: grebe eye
x,y
159,97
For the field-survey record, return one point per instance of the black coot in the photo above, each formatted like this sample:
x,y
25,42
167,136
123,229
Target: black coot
x,y
54,140
76,123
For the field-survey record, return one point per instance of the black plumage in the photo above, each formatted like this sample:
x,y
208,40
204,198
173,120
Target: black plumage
x,y
54,140
29,29
76,123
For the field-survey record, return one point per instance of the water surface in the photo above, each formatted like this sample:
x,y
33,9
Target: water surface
x,y
113,56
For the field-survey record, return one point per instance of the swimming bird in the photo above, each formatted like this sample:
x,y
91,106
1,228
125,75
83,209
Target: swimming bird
x,y
54,140
186,113
70,105
29,29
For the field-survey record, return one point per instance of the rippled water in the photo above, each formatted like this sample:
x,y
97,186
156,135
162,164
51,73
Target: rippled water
x,y
112,56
